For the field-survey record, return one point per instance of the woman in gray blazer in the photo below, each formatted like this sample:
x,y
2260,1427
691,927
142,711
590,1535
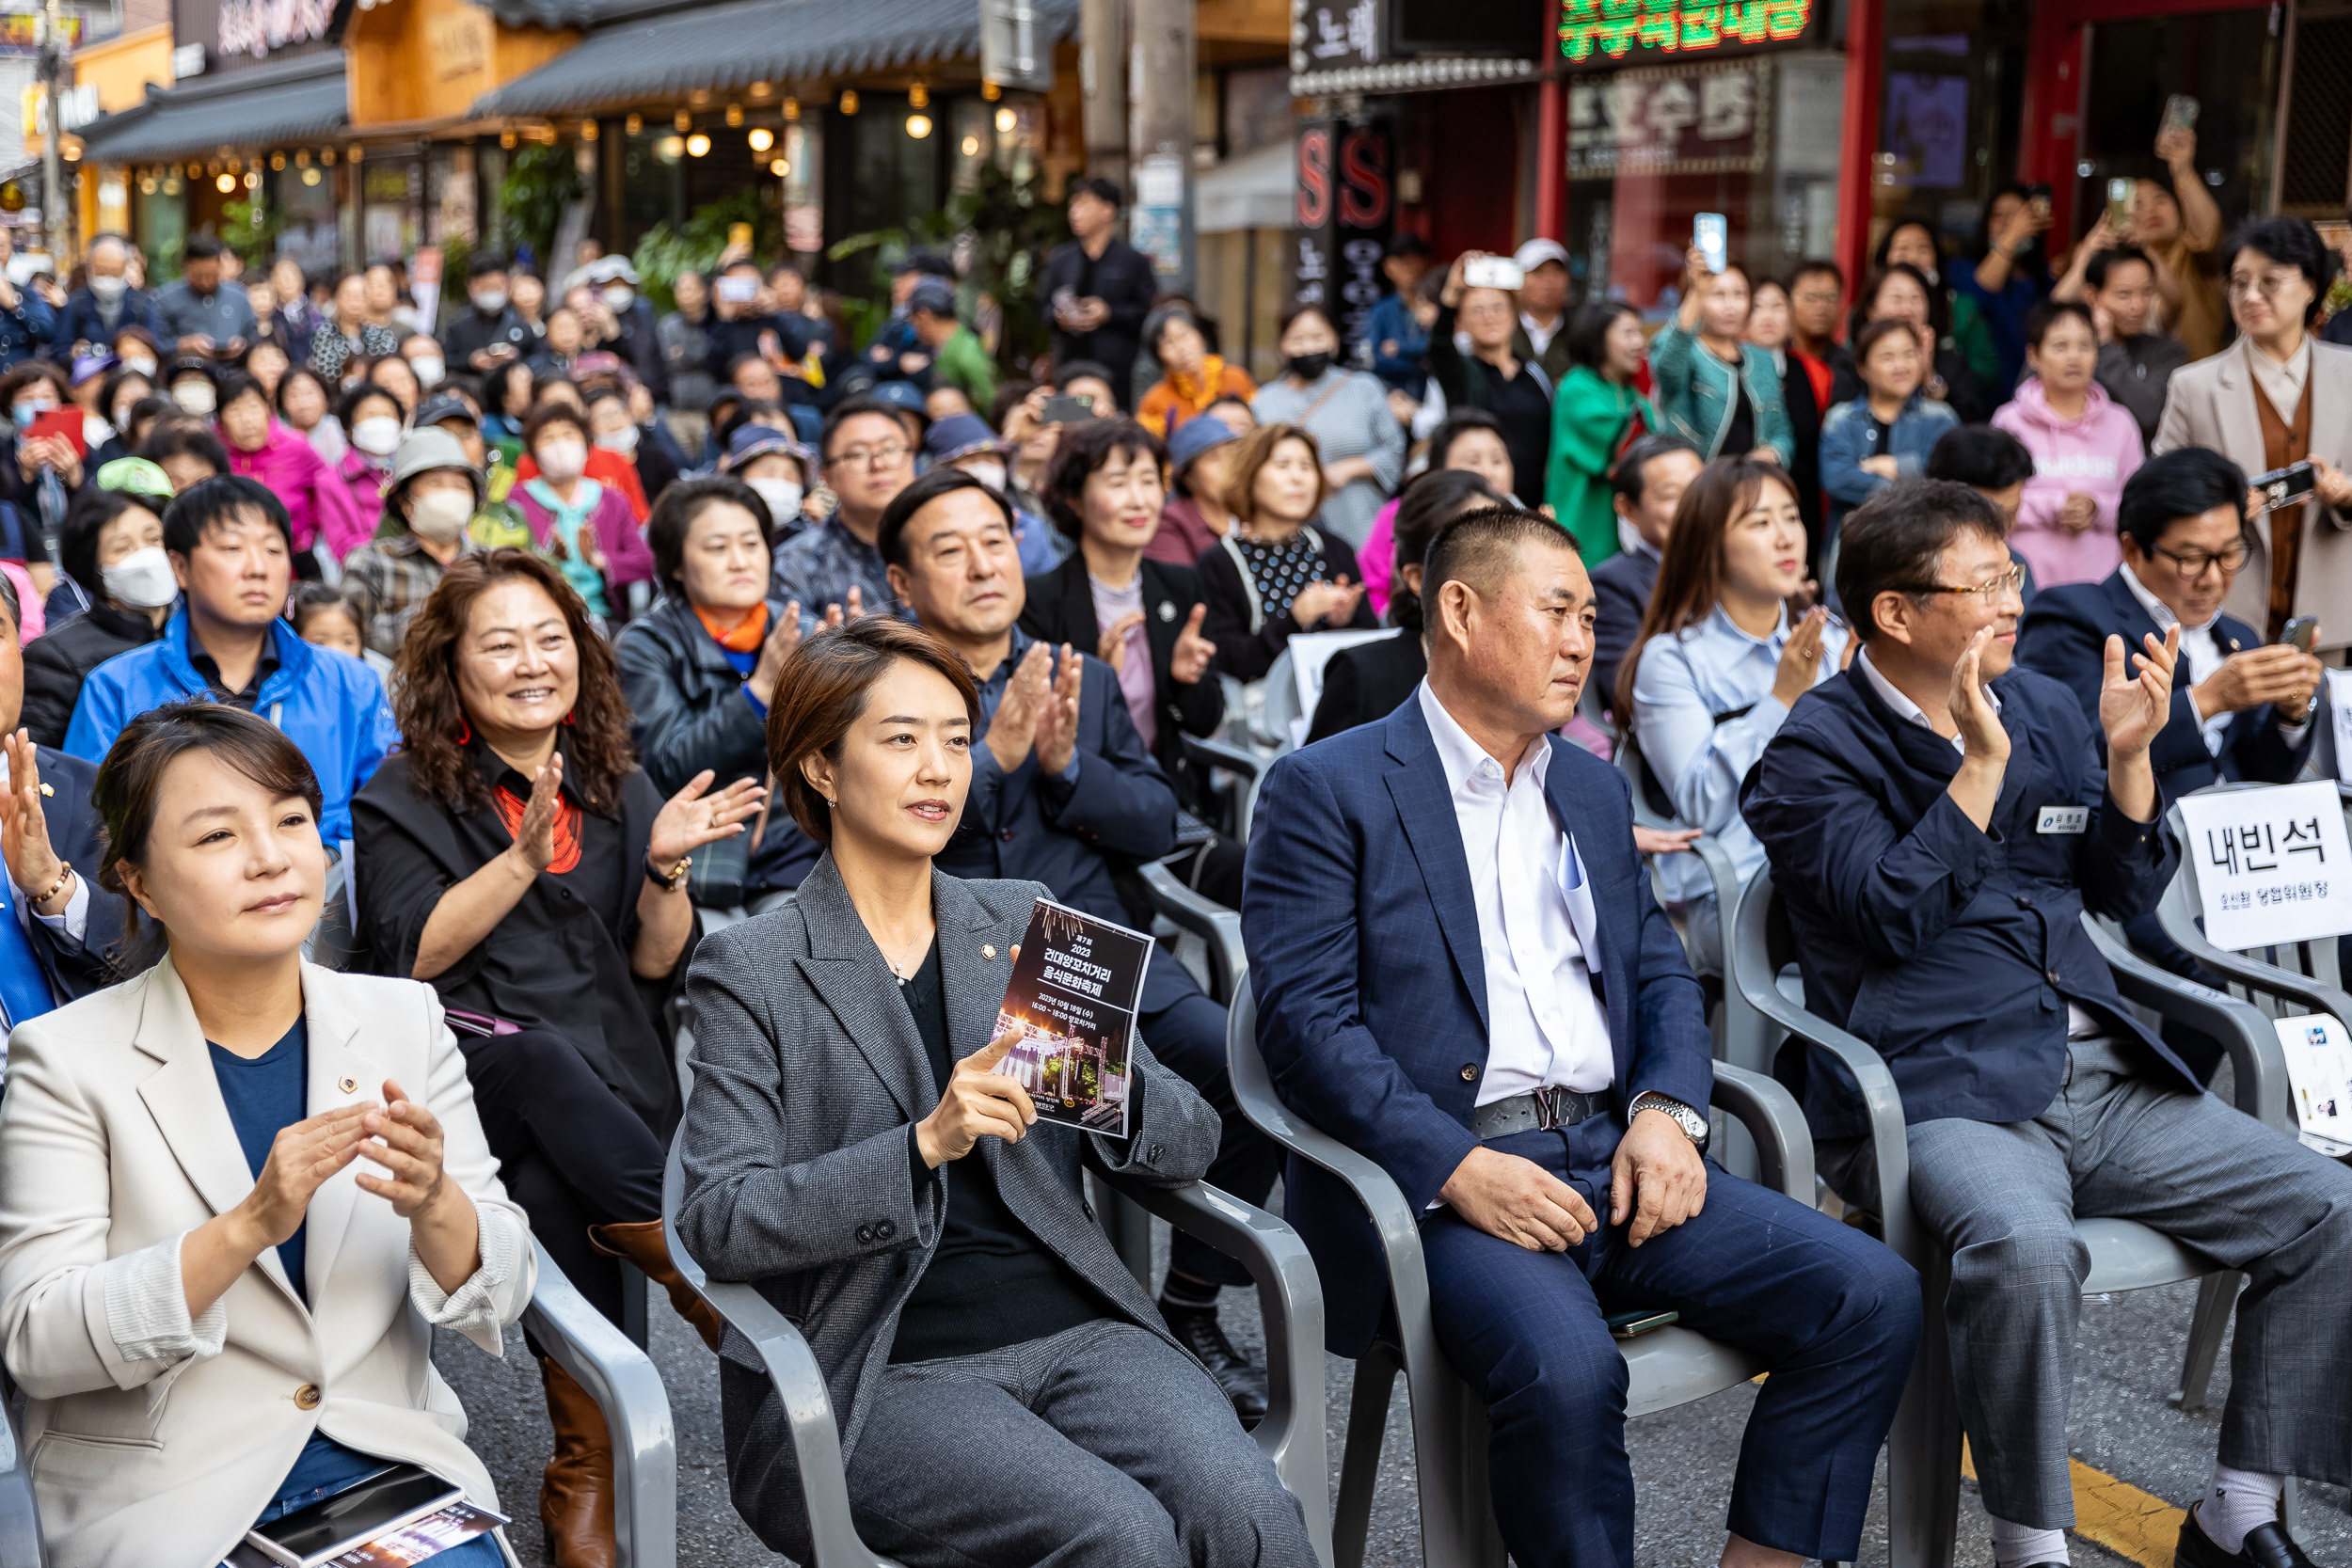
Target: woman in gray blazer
x,y
238,1192
852,1152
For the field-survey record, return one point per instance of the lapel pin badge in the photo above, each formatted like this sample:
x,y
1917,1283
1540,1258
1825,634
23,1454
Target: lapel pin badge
x,y
49,789
988,950
1167,611
348,1086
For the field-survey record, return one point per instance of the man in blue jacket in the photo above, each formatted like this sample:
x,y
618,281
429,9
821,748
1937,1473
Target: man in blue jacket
x,y
1462,975
232,549
105,305
1063,789
1938,822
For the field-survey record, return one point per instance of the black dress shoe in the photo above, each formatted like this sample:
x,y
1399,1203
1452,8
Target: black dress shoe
x,y
2266,1546
1197,1329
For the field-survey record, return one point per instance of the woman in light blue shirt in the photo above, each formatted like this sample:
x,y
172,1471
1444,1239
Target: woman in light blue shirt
x,y
1718,665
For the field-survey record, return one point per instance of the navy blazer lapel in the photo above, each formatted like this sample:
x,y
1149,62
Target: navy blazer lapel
x,y
2131,617
1424,807
847,970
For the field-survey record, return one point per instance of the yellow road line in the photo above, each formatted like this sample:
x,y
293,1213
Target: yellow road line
x,y
2115,1513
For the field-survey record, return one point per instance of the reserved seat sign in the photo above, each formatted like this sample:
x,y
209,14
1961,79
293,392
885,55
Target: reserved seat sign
x,y
2273,864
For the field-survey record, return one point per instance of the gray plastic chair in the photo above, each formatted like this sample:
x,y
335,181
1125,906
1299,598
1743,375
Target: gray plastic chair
x,y
2304,978
1669,1366
1233,773
1289,1296
1923,1449
20,1516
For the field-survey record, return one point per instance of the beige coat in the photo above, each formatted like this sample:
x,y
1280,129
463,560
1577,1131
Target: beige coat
x,y
2211,403
156,1441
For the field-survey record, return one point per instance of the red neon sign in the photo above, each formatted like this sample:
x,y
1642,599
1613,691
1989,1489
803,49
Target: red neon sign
x,y
1618,27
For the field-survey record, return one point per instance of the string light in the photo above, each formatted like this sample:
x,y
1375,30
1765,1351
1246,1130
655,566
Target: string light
x,y
991,91
634,124
684,120
226,183
697,145
588,131
791,108
310,177
849,101
1006,120
918,126
734,115
761,138
971,147
778,168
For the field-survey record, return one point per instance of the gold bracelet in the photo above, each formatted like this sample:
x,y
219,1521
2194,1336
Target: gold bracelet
x,y
672,879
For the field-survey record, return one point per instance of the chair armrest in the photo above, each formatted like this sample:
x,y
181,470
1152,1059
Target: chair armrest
x,y
1212,922
1783,1143
1293,1434
627,1388
2179,921
1212,752
1890,1147
20,1515
2258,1062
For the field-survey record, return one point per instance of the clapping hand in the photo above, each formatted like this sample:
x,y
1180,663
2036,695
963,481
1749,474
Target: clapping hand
x,y
33,865
690,818
782,638
1193,652
534,835
1056,737
1800,658
301,1159
1321,601
1111,648
2332,484
1982,739
1013,727
2078,512
406,1139
2133,706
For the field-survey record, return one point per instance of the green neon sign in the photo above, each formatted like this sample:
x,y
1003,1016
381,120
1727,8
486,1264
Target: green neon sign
x,y
1619,27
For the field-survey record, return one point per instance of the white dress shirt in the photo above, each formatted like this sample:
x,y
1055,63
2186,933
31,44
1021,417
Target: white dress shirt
x,y
1539,337
2201,646
2282,382
2079,1024
1544,1026
74,920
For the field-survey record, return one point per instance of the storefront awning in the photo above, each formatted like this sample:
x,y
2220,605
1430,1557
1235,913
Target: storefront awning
x,y
723,47
267,105
1253,191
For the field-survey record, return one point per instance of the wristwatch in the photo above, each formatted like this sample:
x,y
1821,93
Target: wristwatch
x,y
1693,1124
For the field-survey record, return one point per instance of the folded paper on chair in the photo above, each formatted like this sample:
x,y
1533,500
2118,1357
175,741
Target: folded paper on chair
x,y
1073,998
2319,1072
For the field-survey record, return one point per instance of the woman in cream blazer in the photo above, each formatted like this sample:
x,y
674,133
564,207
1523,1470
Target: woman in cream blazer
x,y
163,1163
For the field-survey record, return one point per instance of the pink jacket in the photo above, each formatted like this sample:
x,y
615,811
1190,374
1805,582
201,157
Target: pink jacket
x,y
2094,454
627,557
317,504
364,487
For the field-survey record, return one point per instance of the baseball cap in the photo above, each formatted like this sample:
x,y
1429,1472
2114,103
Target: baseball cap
x,y
933,296
444,406
959,435
900,394
1534,253
135,475
758,440
928,262
1196,435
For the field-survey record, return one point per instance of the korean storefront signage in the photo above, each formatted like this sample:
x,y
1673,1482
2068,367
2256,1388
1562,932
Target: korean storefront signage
x,y
20,32
1696,118
257,27
2271,863
1345,199
1342,33
1619,28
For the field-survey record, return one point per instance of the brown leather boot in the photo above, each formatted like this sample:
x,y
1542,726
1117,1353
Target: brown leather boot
x,y
576,1496
642,1243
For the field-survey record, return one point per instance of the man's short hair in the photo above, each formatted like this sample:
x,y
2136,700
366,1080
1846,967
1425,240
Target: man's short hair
x,y
1817,266
215,502
2102,263
171,437
1626,476
2187,481
483,262
200,248
1982,456
1892,542
891,537
8,602
2294,243
1099,188
1406,243
849,408
1480,546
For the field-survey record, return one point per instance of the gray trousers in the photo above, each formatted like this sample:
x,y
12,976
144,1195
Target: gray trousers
x,y
2117,1143
1100,1446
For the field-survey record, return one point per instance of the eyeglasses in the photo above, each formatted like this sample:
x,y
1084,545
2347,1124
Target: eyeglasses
x,y
2196,563
2011,581
888,455
2270,285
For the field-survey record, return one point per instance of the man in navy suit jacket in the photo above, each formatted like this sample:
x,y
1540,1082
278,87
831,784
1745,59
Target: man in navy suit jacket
x,y
1063,789
1938,823
1462,974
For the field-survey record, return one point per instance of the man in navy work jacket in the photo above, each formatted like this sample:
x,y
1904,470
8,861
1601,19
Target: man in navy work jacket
x,y
1462,975
1061,785
1938,821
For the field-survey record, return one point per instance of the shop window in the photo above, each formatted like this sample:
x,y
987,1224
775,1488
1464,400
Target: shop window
x,y
1008,134
2227,60
1950,104
308,231
898,175
651,188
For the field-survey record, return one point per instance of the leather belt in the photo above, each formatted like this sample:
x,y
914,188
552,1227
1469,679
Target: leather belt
x,y
1539,1109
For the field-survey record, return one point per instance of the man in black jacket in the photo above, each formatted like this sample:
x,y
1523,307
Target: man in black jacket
x,y
1097,289
493,331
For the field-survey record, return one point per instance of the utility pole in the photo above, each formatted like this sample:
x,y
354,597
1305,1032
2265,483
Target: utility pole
x,y
1163,50
1103,87
56,205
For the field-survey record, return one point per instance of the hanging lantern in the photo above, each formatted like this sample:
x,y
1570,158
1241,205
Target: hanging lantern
x,y
971,147
302,157
761,138
849,101
253,179
225,184
276,161
778,168
684,120
326,157
760,89
697,145
634,124
791,109
918,126
310,177
734,115
1006,120
991,91
588,131
351,154
507,139
918,97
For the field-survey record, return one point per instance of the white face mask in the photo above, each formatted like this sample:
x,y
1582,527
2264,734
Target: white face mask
x,y
783,497
490,301
989,474
562,461
440,514
618,298
623,441
139,366
429,370
108,289
195,397
141,580
378,436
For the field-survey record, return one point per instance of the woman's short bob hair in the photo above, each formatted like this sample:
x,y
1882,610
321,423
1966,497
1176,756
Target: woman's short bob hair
x,y
130,782
1084,448
1257,449
822,691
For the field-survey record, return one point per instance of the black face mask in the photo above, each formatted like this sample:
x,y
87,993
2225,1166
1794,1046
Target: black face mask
x,y
1308,366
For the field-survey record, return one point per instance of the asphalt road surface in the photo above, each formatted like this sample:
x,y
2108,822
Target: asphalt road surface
x,y
1683,1461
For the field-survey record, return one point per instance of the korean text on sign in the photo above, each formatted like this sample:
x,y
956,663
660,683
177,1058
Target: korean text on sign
x,y
2272,865
1616,27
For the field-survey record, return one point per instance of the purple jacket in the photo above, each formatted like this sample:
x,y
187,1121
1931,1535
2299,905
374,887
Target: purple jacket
x,y
317,502
627,559
2094,454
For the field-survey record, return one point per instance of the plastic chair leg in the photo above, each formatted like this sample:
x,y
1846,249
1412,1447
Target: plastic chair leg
x,y
1360,1462
2216,1293
1923,1448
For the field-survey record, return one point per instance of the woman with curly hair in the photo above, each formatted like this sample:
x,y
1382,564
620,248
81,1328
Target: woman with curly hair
x,y
515,856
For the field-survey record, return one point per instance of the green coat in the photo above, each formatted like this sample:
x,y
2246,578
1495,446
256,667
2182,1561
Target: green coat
x,y
1588,420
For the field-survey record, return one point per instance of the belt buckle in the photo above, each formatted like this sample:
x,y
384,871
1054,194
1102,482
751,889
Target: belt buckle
x,y
1547,1107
